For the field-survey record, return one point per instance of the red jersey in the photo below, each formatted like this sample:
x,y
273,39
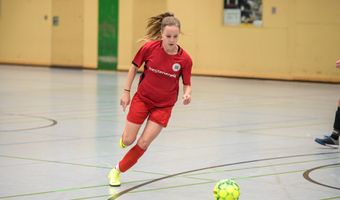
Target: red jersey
x,y
159,83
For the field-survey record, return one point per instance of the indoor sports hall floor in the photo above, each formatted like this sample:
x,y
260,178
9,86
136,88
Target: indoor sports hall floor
x,y
59,133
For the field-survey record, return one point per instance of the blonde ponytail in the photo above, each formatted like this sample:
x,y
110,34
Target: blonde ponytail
x,y
157,23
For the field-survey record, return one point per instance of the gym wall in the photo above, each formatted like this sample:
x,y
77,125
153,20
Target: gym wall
x,y
299,42
49,32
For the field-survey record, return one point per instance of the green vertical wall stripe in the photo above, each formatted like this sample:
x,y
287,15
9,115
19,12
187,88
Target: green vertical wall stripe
x,y
108,34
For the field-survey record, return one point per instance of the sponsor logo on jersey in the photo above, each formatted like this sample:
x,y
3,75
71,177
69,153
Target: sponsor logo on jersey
x,y
157,71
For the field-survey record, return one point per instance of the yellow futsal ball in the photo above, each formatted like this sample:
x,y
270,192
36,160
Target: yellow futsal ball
x,y
226,189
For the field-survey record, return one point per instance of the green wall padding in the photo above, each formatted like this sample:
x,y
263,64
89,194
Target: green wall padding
x,y
108,34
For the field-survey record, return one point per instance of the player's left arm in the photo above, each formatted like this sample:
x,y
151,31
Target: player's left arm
x,y
186,94
186,76
337,64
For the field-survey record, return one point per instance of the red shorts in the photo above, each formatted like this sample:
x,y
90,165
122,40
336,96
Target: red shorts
x,y
140,110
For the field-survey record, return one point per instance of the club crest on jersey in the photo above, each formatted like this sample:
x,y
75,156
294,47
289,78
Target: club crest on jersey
x,y
176,67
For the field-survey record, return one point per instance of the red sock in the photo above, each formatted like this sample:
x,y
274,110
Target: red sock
x,y
131,158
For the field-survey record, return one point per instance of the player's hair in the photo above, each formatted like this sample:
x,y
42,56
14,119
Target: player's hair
x,y
157,23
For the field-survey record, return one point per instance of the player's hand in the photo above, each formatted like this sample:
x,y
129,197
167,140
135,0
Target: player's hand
x,y
186,99
337,64
125,100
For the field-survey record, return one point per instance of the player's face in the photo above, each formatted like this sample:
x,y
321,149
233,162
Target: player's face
x,y
170,37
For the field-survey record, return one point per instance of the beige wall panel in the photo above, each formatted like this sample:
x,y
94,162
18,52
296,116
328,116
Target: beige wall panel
x,y
253,58
125,32
25,30
316,50
90,48
318,11
67,37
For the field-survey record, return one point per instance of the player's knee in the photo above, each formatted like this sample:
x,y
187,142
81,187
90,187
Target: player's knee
x,y
142,143
128,140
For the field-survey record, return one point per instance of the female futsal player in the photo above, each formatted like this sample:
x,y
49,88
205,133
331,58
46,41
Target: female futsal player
x,y
333,139
164,63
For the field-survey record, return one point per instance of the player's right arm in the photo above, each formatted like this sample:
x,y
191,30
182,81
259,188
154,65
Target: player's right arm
x,y
337,64
125,98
